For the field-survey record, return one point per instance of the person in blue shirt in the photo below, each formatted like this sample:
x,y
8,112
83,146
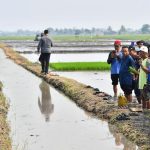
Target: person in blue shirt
x,y
136,58
114,59
125,77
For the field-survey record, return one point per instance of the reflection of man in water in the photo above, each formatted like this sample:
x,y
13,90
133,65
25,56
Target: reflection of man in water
x,y
45,104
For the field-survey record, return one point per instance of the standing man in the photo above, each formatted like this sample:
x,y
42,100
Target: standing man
x,y
125,77
45,45
114,59
136,58
144,70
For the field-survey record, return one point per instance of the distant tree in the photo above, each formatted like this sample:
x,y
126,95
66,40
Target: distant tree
x,y
109,31
122,30
145,29
87,31
77,32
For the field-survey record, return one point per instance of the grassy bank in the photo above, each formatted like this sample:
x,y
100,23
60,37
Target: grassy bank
x,y
75,66
5,142
70,38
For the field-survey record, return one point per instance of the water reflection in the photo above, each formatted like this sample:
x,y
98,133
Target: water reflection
x,y
45,103
120,139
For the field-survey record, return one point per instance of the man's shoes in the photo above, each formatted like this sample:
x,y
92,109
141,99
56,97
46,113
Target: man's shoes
x,y
42,72
46,73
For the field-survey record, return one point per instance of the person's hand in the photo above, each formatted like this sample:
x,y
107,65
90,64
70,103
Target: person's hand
x,y
113,54
140,62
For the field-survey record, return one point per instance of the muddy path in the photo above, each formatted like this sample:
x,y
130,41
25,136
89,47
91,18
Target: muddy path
x,y
84,96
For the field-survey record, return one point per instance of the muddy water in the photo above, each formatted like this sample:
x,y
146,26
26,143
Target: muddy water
x,y
31,43
41,118
67,47
84,57
97,79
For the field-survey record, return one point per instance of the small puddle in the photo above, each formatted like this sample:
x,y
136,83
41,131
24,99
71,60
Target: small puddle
x,y
41,118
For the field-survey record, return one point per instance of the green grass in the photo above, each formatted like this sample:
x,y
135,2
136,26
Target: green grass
x,y
94,38
80,66
17,37
67,38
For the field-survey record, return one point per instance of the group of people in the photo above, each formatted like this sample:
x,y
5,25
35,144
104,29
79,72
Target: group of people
x,y
123,59
130,66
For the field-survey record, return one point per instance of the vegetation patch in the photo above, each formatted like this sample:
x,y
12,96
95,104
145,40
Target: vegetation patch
x,y
75,66
83,38
5,141
17,37
98,37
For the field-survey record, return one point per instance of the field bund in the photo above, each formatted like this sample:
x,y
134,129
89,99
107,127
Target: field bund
x,y
5,141
135,129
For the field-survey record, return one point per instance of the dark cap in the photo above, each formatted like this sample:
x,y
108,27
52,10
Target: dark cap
x,y
140,42
131,48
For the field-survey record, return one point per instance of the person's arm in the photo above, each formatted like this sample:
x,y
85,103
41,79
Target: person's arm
x,y
39,45
51,43
132,62
110,59
119,57
144,68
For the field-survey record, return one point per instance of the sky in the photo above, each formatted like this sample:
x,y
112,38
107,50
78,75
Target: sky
x,y
41,14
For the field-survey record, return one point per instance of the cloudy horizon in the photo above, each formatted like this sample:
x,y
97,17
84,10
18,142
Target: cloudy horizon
x,y
38,15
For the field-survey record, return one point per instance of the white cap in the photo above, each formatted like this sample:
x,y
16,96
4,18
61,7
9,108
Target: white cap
x,y
137,49
144,49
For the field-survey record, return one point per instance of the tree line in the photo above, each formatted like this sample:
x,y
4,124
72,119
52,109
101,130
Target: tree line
x,y
145,29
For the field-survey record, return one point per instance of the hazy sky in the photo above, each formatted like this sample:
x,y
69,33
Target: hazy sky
x,y
40,14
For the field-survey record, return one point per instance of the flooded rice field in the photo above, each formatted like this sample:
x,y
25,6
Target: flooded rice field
x,y
66,47
41,118
97,79
82,57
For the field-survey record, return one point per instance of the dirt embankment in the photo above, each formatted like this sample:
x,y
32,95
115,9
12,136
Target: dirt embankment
x,y
132,125
5,141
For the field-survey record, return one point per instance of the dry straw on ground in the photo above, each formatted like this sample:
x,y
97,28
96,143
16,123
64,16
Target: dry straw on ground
x,y
5,141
